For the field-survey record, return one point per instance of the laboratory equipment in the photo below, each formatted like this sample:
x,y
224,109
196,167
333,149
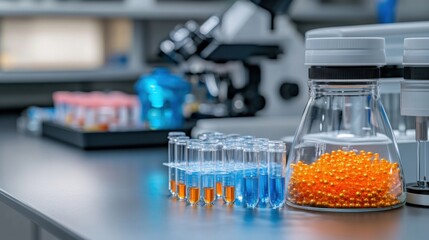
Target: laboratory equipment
x,y
242,68
172,137
263,170
228,178
193,171
95,120
180,162
414,102
344,156
231,162
32,118
220,168
97,111
162,95
251,174
276,173
386,10
207,156
238,169
392,73
205,135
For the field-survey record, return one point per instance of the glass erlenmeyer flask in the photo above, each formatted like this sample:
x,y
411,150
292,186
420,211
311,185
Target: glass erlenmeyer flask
x,y
344,156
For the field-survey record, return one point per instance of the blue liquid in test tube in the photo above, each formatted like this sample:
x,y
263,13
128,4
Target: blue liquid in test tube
x,y
277,172
277,191
263,187
251,174
238,170
238,187
250,191
263,171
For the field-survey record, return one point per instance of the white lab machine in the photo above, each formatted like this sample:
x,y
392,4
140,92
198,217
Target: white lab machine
x,y
415,102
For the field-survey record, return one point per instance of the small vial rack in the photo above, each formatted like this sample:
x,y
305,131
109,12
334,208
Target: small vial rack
x,y
233,169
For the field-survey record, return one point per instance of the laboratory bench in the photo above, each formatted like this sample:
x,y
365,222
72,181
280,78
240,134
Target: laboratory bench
x,y
68,193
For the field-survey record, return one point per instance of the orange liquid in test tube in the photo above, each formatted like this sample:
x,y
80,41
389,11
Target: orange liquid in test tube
x,y
194,195
209,196
182,191
229,194
219,189
173,186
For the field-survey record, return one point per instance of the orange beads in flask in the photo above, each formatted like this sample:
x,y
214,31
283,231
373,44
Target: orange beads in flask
x,y
346,179
344,156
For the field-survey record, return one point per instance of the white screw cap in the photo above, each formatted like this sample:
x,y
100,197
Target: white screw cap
x,y
345,51
416,52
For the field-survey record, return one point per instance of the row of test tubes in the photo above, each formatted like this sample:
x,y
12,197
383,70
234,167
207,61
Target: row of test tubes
x,y
240,170
97,111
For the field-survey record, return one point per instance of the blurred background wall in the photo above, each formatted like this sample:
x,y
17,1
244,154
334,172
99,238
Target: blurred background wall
x,y
82,45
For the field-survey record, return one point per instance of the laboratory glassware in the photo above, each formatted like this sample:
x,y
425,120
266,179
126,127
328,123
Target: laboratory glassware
x,y
276,173
180,162
238,170
207,156
193,172
251,174
228,179
162,95
263,171
172,186
344,156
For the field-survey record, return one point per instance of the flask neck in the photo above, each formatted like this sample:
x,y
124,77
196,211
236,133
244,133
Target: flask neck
x,y
349,87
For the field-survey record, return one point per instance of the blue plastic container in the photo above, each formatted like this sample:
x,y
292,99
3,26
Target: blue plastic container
x,y
162,95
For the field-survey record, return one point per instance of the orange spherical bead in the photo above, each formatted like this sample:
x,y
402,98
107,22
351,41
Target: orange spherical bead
x,y
346,179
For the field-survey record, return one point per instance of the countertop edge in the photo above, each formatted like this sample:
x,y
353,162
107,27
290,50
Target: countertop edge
x,y
38,218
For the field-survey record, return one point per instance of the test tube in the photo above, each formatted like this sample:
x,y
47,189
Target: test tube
x,y
105,113
172,187
180,153
251,174
90,121
277,172
60,102
263,170
193,172
238,170
122,111
205,135
207,156
219,167
79,115
228,180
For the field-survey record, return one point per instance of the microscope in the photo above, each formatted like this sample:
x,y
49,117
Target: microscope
x,y
246,61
